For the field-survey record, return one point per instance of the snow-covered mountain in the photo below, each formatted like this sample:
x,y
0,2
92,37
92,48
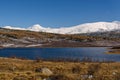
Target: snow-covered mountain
x,y
82,28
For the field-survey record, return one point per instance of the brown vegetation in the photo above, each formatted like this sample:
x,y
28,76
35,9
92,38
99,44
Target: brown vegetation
x,y
77,37
17,69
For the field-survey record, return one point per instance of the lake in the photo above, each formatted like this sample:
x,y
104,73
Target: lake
x,y
97,53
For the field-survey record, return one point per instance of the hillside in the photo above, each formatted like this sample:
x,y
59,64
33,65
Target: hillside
x,y
107,34
26,38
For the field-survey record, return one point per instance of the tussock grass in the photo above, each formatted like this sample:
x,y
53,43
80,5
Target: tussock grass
x,y
17,69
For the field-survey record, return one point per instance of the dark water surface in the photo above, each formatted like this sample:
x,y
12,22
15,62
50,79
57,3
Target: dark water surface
x,y
46,53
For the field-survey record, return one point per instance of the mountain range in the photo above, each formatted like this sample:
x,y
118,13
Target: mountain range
x,y
79,29
84,35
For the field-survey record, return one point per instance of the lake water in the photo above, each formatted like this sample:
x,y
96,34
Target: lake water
x,y
53,53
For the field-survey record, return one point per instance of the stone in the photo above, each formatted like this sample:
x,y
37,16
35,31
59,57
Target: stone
x,y
45,71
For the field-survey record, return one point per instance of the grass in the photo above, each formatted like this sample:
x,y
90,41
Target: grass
x,y
17,69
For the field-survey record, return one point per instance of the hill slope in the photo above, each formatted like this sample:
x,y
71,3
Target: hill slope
x,y
25,38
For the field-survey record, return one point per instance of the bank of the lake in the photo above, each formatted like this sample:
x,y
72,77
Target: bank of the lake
x,y
114,50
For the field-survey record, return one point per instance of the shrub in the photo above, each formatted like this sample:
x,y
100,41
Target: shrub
x,y
60,77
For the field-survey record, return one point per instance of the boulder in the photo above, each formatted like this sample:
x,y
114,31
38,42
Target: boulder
x,y
45,71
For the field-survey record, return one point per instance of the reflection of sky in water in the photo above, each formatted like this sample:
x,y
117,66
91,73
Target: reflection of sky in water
x,y
32,53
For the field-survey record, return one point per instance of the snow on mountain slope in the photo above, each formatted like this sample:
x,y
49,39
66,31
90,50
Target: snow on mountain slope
x,y
83,28
16,28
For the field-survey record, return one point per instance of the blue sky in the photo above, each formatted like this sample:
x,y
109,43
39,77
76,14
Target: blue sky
x,y
57,13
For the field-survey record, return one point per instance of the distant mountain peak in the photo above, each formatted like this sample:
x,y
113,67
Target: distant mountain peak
x,y
82,28
36,27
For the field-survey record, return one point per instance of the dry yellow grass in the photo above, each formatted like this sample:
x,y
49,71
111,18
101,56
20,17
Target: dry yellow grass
x,y
16,69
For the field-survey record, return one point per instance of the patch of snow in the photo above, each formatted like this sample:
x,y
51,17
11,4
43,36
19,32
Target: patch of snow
x,y
33,45
7,45
16,28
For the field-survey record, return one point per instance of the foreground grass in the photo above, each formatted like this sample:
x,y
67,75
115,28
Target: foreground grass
x,y
17,69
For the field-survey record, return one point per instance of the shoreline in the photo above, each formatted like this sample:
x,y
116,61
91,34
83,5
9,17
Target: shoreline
x,y
57,47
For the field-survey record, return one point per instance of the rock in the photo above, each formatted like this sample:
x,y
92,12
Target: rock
x,y
12,68
45,71
87,76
